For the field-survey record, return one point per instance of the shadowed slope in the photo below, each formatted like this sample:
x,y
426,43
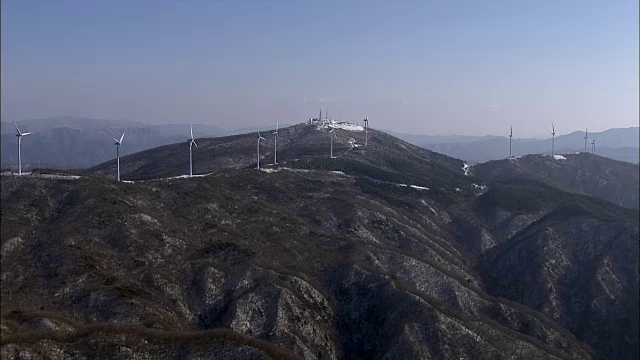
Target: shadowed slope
x,y
583,173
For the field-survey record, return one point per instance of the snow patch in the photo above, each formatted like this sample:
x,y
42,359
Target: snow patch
x,y
174,177
56,176
338,173
45,176
267,170
348,126
481,187
340,125
429,206
466,168
559,157
411,186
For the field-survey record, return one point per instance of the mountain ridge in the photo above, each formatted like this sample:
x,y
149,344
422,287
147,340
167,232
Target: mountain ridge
x,y
318,256
584,173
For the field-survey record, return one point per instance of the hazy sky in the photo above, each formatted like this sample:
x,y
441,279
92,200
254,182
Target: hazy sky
x,y
433,67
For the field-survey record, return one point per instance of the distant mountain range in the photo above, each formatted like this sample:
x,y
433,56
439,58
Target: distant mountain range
x,y
619,144
68,142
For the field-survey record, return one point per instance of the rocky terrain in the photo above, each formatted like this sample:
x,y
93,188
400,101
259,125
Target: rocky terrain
x,y
387,251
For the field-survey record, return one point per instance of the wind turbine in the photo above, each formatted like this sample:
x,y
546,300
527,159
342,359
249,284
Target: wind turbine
x,y
191,143
275,145
366,127
593,146
19,135
258,146
585,139
331,135
510,136
118,143
553,137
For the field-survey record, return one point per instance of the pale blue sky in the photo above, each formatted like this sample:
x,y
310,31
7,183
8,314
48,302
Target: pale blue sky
x,y
434,67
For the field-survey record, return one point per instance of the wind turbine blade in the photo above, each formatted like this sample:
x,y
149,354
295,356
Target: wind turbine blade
x,y
194,142
118,141
122,137
276,126
18,130
27,133
191,131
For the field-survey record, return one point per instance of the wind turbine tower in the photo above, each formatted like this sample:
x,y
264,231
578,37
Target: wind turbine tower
x,y
275,145
20,135
553,137
510,137
593,146
118,143
191,143
366,129
258,146
332,133
585,139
